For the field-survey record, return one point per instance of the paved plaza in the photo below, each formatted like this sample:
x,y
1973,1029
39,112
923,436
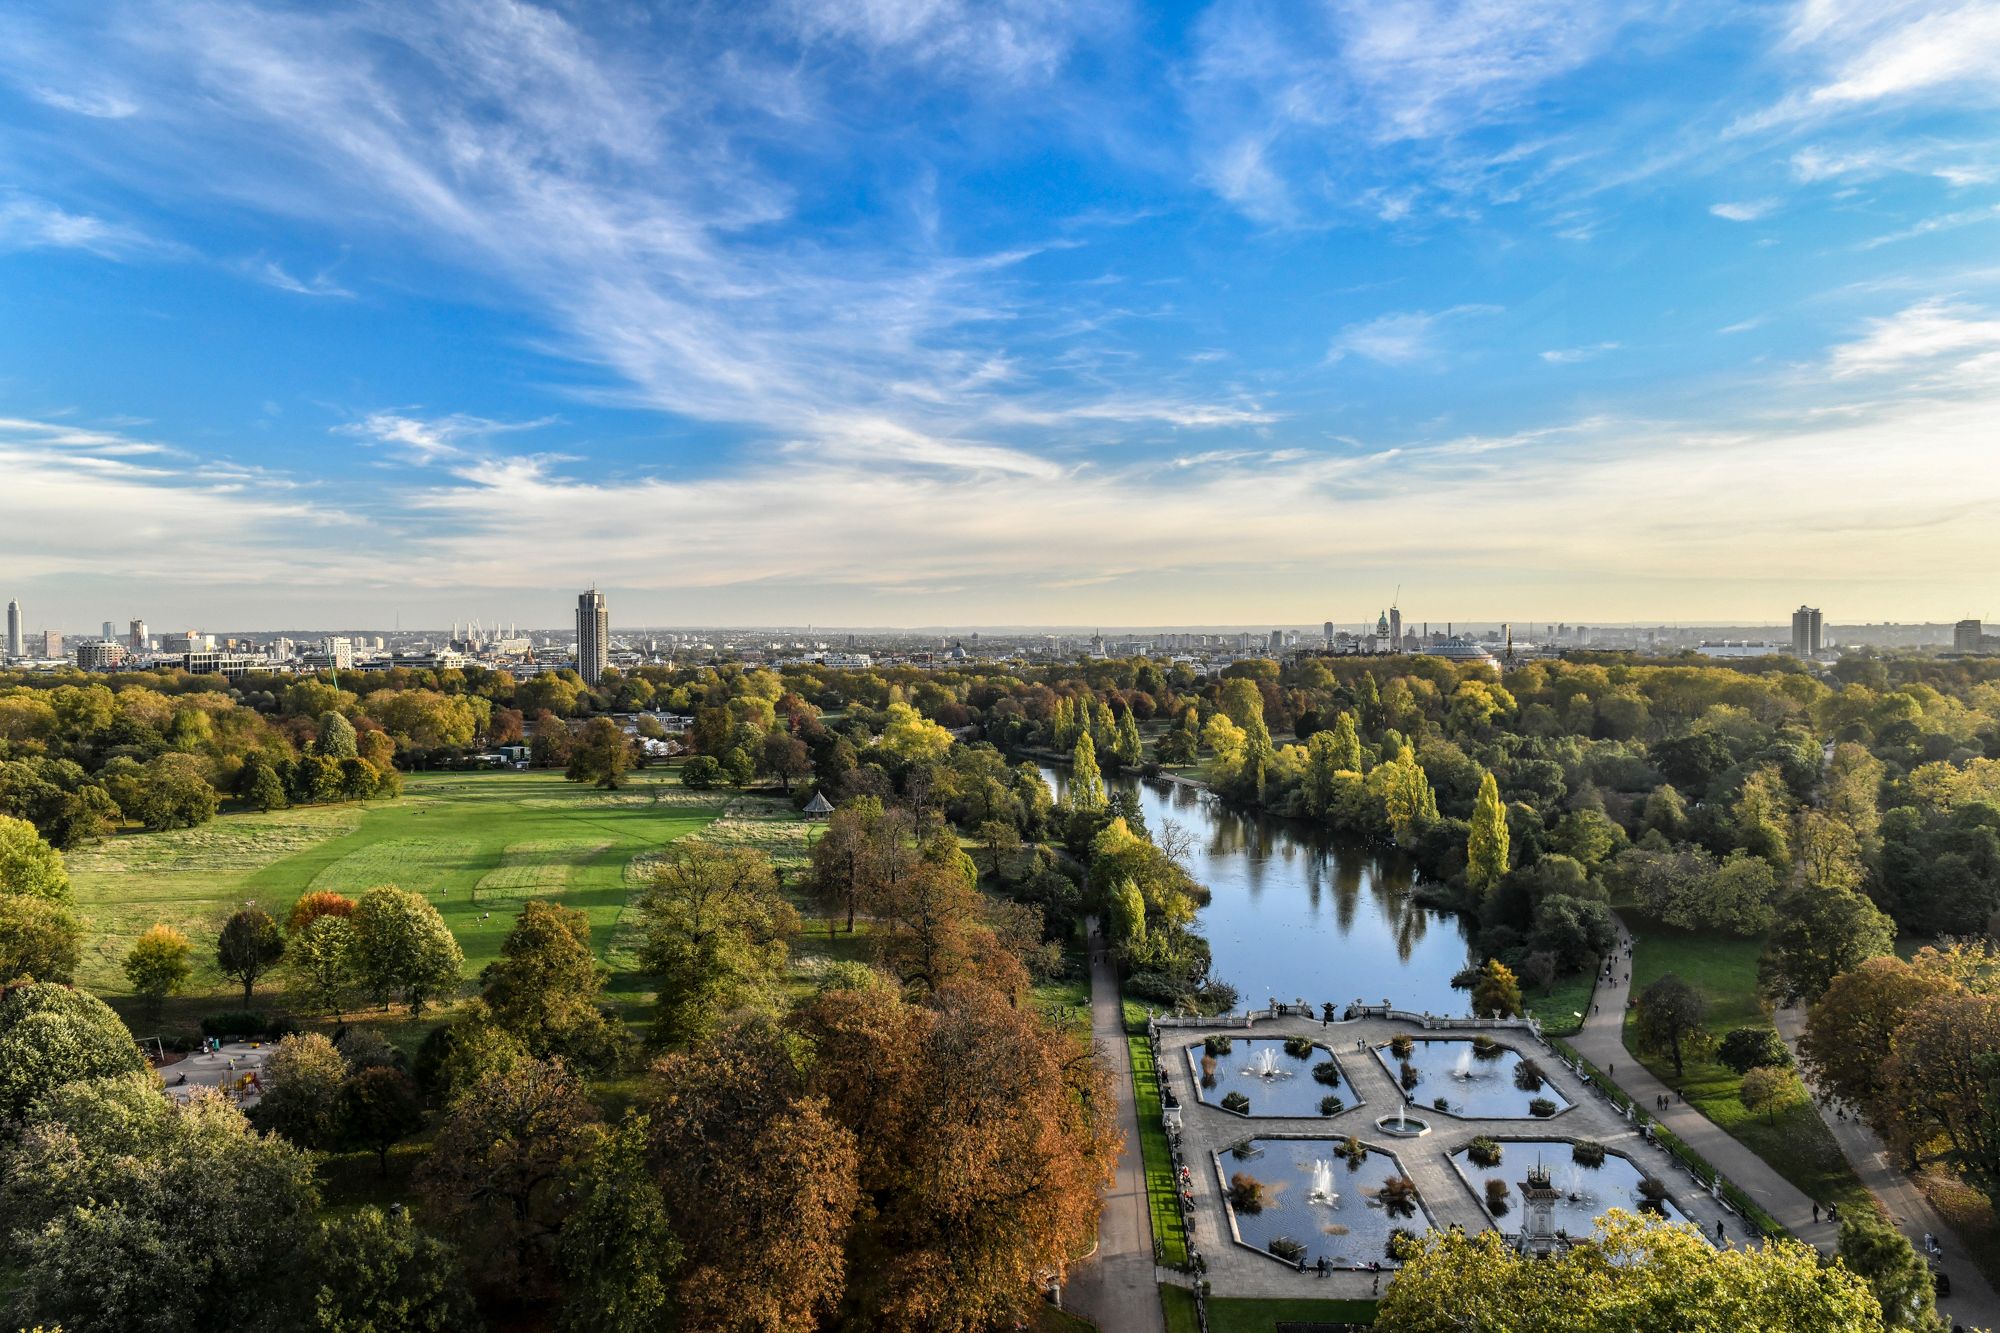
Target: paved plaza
x,y
1207,1129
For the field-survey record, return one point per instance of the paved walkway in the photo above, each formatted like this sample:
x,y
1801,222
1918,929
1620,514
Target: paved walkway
x,y
1972,1301
225,1070
1602,1042
1117,1287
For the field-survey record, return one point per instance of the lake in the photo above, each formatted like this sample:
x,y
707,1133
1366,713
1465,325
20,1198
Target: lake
x,y
1299,914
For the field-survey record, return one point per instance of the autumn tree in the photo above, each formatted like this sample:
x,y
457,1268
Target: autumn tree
x,y
1819,934
986,1135
785,757
403,948
1496,992
1850,1027
1944,1083
545,987
311,906
249,946
758,1182
1486,849
715,934
1670,1018
500,1171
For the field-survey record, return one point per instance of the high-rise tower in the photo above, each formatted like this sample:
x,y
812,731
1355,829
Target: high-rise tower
x,y
593,636
1805,632
1395,630
138,640
13,629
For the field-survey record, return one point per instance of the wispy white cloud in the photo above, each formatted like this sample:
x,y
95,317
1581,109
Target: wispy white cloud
x,y
273,274
1014,40
1748,210
1933,333
1400,338
36,224
1964,217
1568,356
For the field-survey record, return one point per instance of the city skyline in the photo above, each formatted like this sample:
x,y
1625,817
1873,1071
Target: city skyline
x,y
1000,314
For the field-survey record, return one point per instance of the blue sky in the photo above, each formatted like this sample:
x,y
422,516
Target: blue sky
x,y
944,312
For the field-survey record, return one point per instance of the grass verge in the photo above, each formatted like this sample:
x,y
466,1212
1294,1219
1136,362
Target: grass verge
x,y
1245,1315
1795,1142
1162,1190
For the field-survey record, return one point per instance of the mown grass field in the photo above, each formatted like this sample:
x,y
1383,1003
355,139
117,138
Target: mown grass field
x,y
476,844
1724,969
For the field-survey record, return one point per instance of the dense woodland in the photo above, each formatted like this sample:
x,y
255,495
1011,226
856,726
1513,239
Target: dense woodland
x,y
910,1146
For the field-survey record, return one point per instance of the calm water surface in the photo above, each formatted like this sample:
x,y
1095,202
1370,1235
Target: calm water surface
x,y
1301,915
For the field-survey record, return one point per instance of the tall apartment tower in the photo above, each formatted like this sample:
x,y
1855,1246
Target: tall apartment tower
x,y
1805,632
1395,630
1965,636
1326,632
138,639
14,629
593,636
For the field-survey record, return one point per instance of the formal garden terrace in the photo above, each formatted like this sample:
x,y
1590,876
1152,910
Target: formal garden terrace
x,y
1478,1077
1270,1076
1304,1193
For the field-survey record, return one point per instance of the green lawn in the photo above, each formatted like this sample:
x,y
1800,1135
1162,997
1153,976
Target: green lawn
x,y
476,844
1240,1315
1724,969
1558,1007
1162,1190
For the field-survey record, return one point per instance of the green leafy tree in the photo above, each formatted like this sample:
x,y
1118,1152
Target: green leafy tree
x,y
545,986
250,945
403,948
28,865
120,1195
51,1036
1486,847
379,1108
1745,1049
1496,992
715,934
159,964
1085,794
374,1272
322,962
1643,1276
336,737
602,755
171,793
1770,1089
38,938
1900,1277
1670,1018
1128,913
617,1250
262,788
302,1091
1407,799
1819,934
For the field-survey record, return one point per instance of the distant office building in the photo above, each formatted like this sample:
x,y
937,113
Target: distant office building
x,y
14,629
593,636
1326,632
1395,630
1277,640
51,643
106,656
1966,635
1805,632
208,662
137,641
110,631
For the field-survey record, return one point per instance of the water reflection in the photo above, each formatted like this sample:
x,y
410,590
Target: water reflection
x,y
1269,923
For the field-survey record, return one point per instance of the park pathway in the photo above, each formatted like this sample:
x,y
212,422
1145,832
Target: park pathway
x,y
1602,1042
1117,1287
1972,1302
